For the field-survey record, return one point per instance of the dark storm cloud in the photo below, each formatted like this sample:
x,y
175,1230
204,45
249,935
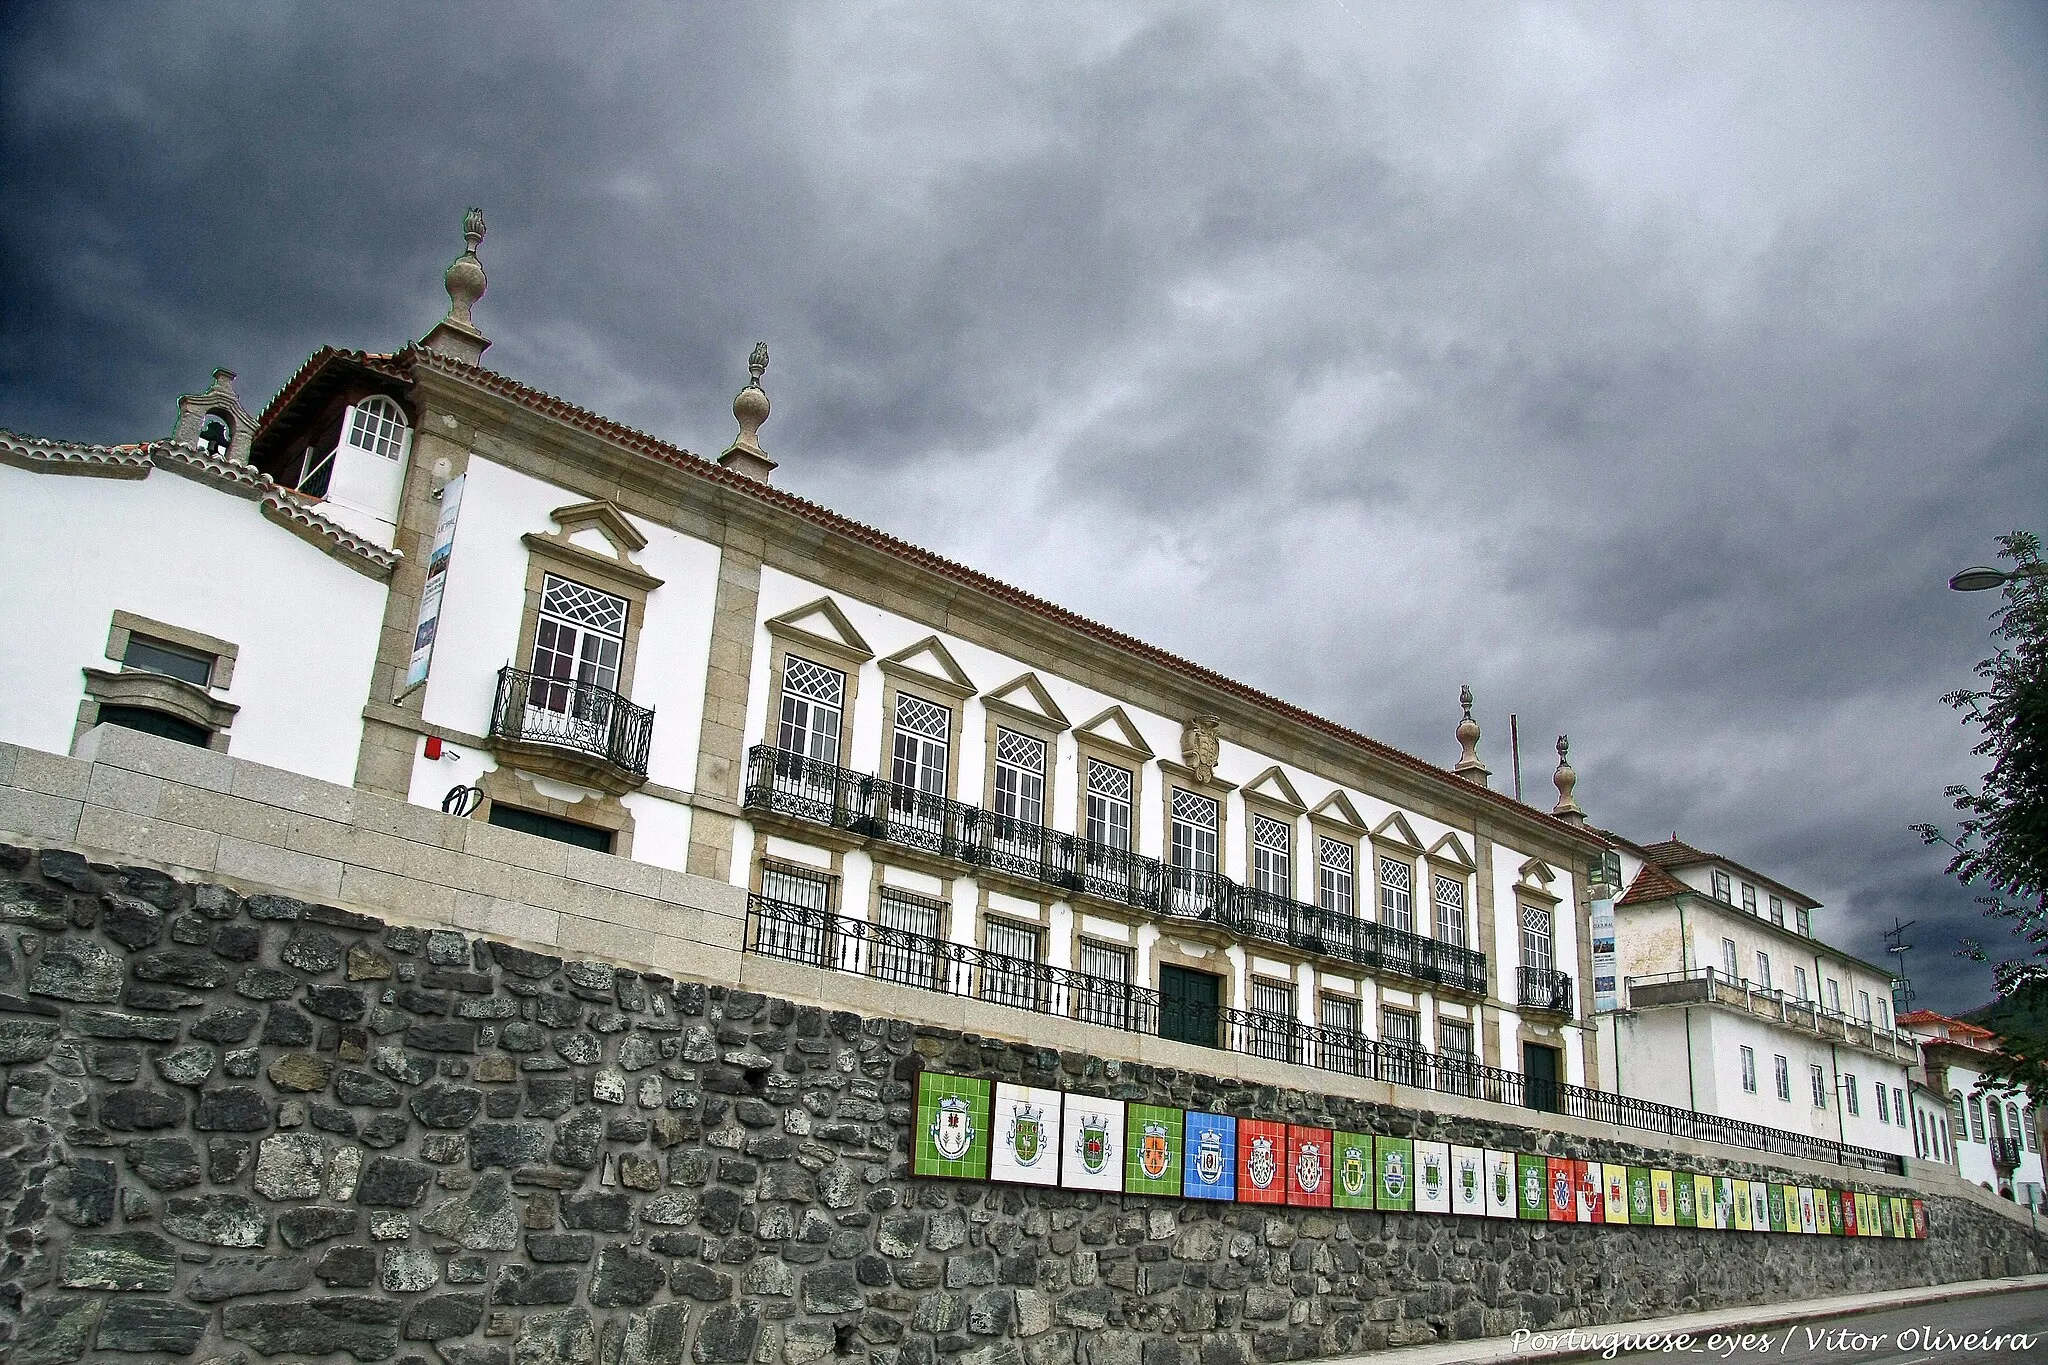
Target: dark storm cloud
x,y
1649,369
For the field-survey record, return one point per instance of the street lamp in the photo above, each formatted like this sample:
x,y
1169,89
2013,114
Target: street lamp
x,y
1978,577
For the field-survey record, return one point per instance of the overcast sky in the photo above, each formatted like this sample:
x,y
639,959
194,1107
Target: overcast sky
x,y
1648,368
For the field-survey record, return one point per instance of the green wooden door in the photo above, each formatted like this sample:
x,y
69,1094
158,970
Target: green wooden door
x,y
1188,1005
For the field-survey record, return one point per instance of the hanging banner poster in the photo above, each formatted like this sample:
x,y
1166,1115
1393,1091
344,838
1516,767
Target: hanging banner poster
x,y
1393,1165
1432,1177
1724,1203
1152,1156
1309,1176
1092,1157
428,622
1806,1223
1500,1184
1560,1190
1261,1162
1905,1207
1532,1187
1027,1135
1209,1170
1468,1181
952,1127
1703,1201
1867,1216
1586,1181
1826,1211
1684,1200
1663,1209
1614,1182
1353,1154
1740,1190
1759,1207
1847,1222
1641,1209
1777,1193
1920,1218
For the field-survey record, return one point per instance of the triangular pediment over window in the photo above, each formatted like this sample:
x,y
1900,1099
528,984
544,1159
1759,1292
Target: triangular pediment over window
x,y
600,528
821,624
1449,851
1396,832
1534,878
1272,785
929,662
1336,809
1025,698
1114,728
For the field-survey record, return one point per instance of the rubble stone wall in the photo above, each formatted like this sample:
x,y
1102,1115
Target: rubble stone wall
x,y
257,1127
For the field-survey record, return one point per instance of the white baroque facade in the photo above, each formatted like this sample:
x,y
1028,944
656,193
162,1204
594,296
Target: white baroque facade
x,y
1996,1140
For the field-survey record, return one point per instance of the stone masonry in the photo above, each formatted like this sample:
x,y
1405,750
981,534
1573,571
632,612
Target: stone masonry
x,y
242,1128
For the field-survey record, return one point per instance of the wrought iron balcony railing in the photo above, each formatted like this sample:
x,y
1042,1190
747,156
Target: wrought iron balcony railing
x,y
874,808
1542,988
2005,1153
1710,985
561,713
822,938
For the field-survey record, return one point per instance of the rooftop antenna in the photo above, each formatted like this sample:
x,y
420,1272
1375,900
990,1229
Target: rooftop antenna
x,y
1903,994
1515,743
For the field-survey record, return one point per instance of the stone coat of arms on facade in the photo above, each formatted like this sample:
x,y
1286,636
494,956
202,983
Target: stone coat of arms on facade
x,y
1199,747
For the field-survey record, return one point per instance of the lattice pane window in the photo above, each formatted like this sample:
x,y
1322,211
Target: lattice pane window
x,y
1334,861
1536,941
813,681
1195,822
572,601
1450,909
1397,894
1194,809
920,717
1106,779
1109,805
1271,871
1020,751
1020,777
378,427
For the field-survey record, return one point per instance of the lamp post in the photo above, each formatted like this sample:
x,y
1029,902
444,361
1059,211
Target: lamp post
x,y
1979,577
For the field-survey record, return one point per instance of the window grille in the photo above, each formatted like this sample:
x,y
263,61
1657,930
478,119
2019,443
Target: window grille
x,y
1819,1078
1784,1079
1749,1070
378,427
899,957
1399,1031
1109,804
1340,1014
1455,1040
1450,909
1002,983
1536,941
1271,871
1397,891
813,698
1020,777
1105,994
1272,1011
1334,884
798,937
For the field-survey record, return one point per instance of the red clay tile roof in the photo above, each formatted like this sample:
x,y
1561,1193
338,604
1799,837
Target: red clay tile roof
x,y
403,363
1675,852
1653,883
1954,1026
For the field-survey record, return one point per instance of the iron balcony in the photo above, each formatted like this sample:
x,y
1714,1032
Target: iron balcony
x,y
592,727
808,790
1543,990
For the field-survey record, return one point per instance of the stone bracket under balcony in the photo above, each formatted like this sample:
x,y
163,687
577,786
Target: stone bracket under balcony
x,y
570,731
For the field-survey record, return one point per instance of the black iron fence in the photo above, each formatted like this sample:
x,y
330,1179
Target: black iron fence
x,y
823,938
873,807
562,713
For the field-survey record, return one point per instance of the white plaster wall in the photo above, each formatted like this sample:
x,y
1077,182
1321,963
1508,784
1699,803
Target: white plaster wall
x,y
74,550
479,633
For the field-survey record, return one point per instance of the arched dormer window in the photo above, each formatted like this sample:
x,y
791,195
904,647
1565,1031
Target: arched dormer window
x,y
377,426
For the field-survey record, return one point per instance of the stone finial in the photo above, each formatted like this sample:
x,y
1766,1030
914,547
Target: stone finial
x,y
1469,767
456,334
745,456
1566,777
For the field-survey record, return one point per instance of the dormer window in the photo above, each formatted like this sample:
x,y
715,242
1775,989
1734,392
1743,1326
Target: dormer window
x,y
1723,890
377,425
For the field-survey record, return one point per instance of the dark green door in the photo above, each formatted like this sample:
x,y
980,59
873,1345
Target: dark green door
x,y
1539,1077
1188,1004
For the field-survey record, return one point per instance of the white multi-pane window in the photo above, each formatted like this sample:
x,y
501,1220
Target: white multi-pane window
x,y
1884,1012
1784,1079
1834,995
1536,938
1008,979
1976,1119
813,702
1450,909
1778,910
1799,982
906,950
1272,1012
1763,969
1397,894
922,735
1272,867
1104,995
377,426
1109,805
577,644
1850,1098
1819,1078
1749,898
1749,1070
1195,822
1731,961
1020,777
1723,887
1884,1106
1863,1005
1806,923
1334,887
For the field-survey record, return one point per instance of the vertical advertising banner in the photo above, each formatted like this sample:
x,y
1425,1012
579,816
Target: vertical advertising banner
x,y
1724,1203
1261,1162
1468,1181
1741,1197
1663,1203
1615,1182
1759,1207
952,1127
1393,1174
1920,1218
1308,1164
1684,1200
1500,1184
1777,1193
1532,1188
1152,1157
1586,1178
1027,1135
1806,1223
1209,1170
1092,1155
1432,1177
1703,1200
1353,1154
1641,1209
428,624
1562,1190
1847,1221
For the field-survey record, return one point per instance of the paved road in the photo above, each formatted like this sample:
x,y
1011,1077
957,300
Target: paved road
x,y
1932,1334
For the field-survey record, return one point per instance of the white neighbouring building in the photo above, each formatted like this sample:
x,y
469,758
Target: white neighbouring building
x,y
417,576
1997,1142
1727,1003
